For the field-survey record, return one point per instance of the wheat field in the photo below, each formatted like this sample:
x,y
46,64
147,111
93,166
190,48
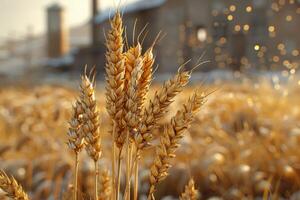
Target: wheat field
x,y
127,139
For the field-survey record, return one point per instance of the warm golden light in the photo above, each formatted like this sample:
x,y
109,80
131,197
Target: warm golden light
x,y
229,17
280,46
202,34
232,8
237,28
275,59
271,28
248,9
295,52
256,47
246,27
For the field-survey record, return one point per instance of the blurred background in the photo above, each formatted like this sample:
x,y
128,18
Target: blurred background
x,y
51,40
244,143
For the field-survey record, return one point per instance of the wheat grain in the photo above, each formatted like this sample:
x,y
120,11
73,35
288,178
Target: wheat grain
x,y
144,82
75,141
131,57
190,193
11,187
131,117
173,133
115,74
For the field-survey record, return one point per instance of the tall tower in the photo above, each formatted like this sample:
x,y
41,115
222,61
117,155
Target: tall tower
x,y
57,32
94,26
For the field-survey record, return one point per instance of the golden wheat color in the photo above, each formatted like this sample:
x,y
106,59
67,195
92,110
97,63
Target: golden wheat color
x,y
190,192
146,78
76,141
170,140
12,189
115,74
105,186
91,123
158,106
131,56
90,117
131,107
128,78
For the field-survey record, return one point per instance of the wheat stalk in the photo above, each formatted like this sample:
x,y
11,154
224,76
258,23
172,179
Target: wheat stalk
x,y
190,193
173,133
131,116
115,77
91,123
11,187
76,141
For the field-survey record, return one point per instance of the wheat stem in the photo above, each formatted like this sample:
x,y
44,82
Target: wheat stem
x,y
127,188
113,164
76,176
96,179
136,180
119,174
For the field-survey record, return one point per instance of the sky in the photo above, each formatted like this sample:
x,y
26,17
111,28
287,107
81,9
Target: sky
x,y
18,17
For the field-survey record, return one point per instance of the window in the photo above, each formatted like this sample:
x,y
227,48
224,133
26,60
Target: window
x,y
201,34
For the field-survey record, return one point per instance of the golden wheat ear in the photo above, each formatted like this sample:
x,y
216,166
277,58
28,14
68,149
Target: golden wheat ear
x,y
190,193
11,187
170,140
115,76
146,78
131,57
133,73
158,107
75,139
90,128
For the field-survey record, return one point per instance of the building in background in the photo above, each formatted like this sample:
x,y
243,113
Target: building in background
x,y
57,32
240,35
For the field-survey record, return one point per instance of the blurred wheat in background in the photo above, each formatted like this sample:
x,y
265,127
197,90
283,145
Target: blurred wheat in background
x,y
129,137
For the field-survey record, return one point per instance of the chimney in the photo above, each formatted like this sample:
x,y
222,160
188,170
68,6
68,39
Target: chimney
x,y
57,33
94,25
